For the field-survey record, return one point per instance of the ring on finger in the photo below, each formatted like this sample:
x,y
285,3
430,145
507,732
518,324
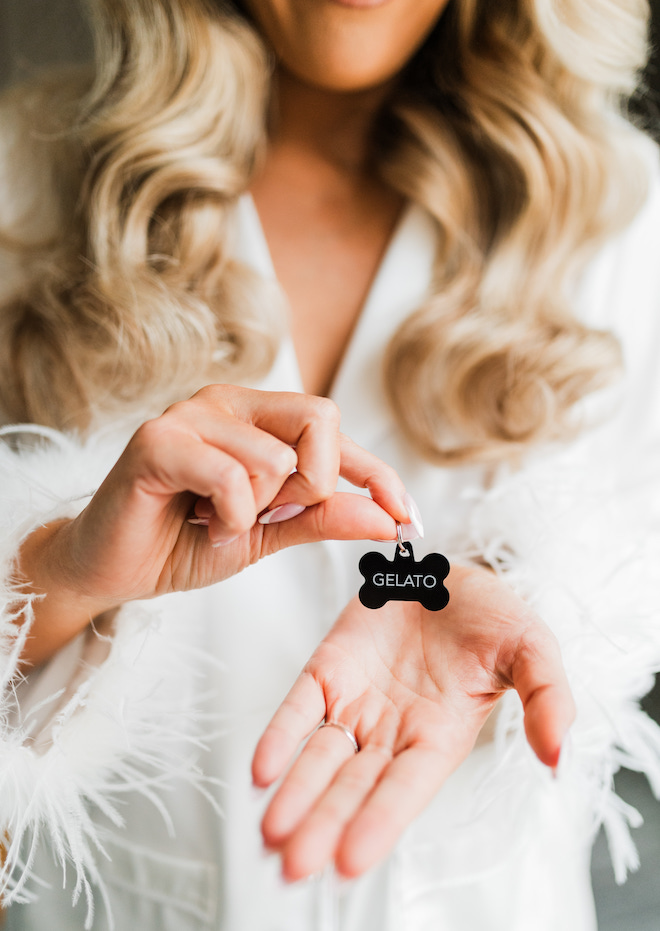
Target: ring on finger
x,y
345,730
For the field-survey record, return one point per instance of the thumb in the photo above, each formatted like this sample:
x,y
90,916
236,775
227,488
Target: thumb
x,y
340,517
540,680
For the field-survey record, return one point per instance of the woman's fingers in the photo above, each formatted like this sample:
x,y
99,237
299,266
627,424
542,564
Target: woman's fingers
x,y
312,426
341,517
405,788
309,779
539,677
346,516
287,444
267,460
357,466
300,712
352,808
364,470
316,840
309,424
160,463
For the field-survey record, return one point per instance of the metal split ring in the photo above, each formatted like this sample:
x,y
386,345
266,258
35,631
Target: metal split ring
x,y
342,727
399,539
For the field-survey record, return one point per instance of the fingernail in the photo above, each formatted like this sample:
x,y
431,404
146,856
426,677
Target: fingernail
x,y
283,512
199,521
224,542
555,769
563,758
409,533
414,515
303,881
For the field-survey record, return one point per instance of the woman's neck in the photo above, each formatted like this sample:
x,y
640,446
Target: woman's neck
x,y
327,126
326,215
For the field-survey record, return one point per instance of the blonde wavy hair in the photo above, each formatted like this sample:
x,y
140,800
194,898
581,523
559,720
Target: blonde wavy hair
x,y
505,126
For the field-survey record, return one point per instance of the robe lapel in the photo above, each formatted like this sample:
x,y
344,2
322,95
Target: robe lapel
x,y
251,248
399,287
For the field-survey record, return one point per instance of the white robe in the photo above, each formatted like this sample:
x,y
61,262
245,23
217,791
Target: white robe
x,y
191,680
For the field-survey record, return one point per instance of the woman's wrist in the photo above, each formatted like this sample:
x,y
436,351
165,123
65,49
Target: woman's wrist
x,y
61,607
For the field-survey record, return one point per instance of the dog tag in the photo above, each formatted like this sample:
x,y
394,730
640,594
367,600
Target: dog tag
x,y
404,579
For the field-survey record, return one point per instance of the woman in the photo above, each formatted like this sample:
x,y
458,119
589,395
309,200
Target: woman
x,y
426,182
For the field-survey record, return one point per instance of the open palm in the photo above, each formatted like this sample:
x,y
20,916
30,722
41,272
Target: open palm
x,y
415,687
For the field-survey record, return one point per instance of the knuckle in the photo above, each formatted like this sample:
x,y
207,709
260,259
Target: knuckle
x,y
235,523
323,486
325,410
232,480
149,436
319,521
213,395
385,473
280,460
177,413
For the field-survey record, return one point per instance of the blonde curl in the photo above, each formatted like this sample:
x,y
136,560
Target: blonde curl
x,y
506,127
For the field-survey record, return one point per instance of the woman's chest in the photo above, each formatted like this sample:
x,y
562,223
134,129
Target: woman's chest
x,y
325,253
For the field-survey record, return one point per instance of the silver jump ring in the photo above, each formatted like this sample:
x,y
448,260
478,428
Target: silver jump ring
x,y
399,538
342,727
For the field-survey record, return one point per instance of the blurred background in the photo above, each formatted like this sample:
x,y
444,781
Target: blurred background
x,y
38,32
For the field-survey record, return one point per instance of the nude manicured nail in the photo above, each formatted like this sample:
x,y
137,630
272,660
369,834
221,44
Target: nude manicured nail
x,y
283,512
409,533
199,521
414,515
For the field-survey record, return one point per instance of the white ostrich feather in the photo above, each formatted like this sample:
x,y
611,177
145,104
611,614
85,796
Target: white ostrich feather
x,y
113,724
582,546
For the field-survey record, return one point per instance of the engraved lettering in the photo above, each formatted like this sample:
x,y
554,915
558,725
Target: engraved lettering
x,y
404,579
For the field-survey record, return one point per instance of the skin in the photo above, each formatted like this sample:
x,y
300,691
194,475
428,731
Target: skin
x,y
415,687
341,47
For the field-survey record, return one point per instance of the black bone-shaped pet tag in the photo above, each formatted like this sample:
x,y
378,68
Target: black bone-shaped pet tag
x,y
403,579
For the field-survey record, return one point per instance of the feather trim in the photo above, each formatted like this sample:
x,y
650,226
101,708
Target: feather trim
x,y
98,721
582,546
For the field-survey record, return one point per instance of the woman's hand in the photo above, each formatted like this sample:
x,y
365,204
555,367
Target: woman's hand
x,y
220,459
415,687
